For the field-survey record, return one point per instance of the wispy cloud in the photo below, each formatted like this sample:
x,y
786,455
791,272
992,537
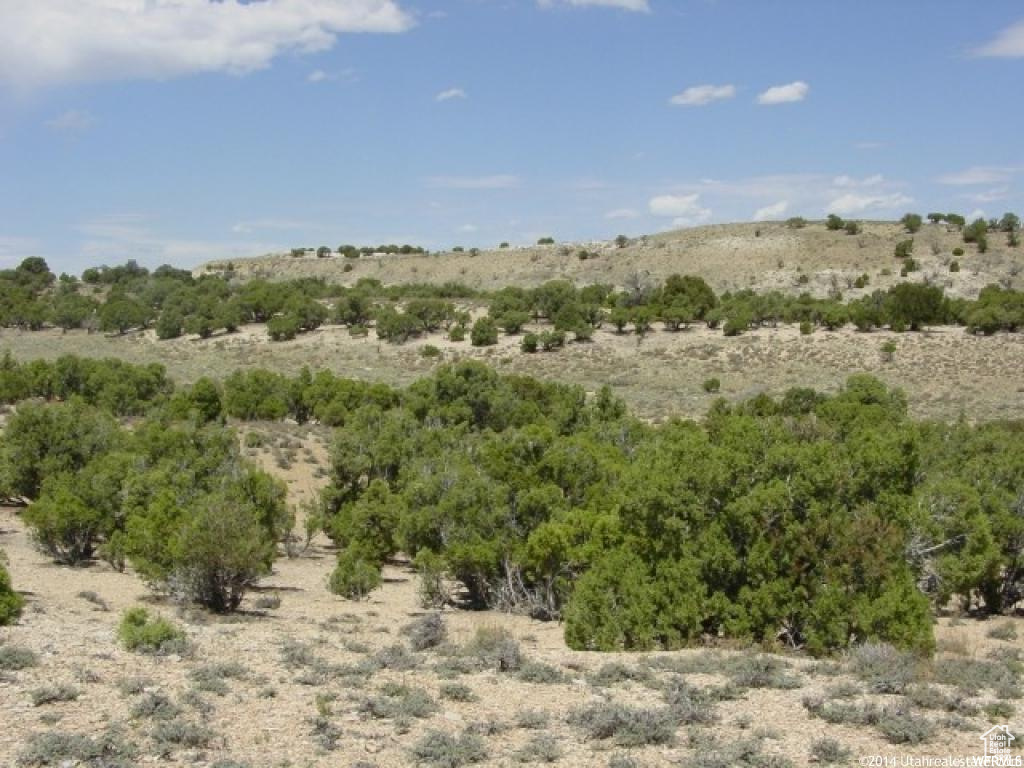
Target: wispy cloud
x,y
854,203
89,40
497,181
622,213
784,94
684,210
977,175
773,211
641,6
700,95
1007,44
71,122
451,93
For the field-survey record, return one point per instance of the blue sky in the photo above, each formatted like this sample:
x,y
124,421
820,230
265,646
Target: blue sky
x,y
186,130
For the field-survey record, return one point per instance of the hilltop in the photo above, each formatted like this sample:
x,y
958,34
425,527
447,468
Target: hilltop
x,y
762,256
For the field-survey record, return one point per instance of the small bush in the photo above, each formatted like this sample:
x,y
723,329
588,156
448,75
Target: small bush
x,y
884,668
615,673
398,702
169,735
529,343
954,266
396,657
210,677
826,751
427,632
712,385
806,327
628,727
155,706
532,719
689,705
355,576
442,750
14,658
457,333
958,251
54,693
900,726
1005,631
542,748
57,748
763,672
11,603
269,602
457,692
138,632
537,672
484,333
430,351
974,675
496,649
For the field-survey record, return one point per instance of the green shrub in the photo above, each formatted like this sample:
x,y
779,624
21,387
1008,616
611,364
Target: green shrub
x,y
542,748
356,575
796,222
712,385
138,632
484,333
958,251
954,266
430,351
11,602
852,227
457,332
529,343
806,327
57,748
495,648
834,223
283,327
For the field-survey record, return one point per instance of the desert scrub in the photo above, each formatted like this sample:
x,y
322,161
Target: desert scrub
x,y
169,735
532,719
155,706
111,749
626,726
763,672
615,673
426,632
399,702
1006,631
211,678
51,694
542,748
457,692
138,632
98,603
827,751
495,648
540,673
14,658
884,668
442,750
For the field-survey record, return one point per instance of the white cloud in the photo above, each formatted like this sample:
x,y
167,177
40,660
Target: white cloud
x,y
852,203
641,6
685,210
699,95
977,213
979,175
784,94
622,213
774,211
468,228
989,195
1008,44
87,40
72,121
317,76
498,181
847,182
451,93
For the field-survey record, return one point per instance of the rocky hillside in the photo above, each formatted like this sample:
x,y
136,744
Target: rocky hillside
x,y
762,256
